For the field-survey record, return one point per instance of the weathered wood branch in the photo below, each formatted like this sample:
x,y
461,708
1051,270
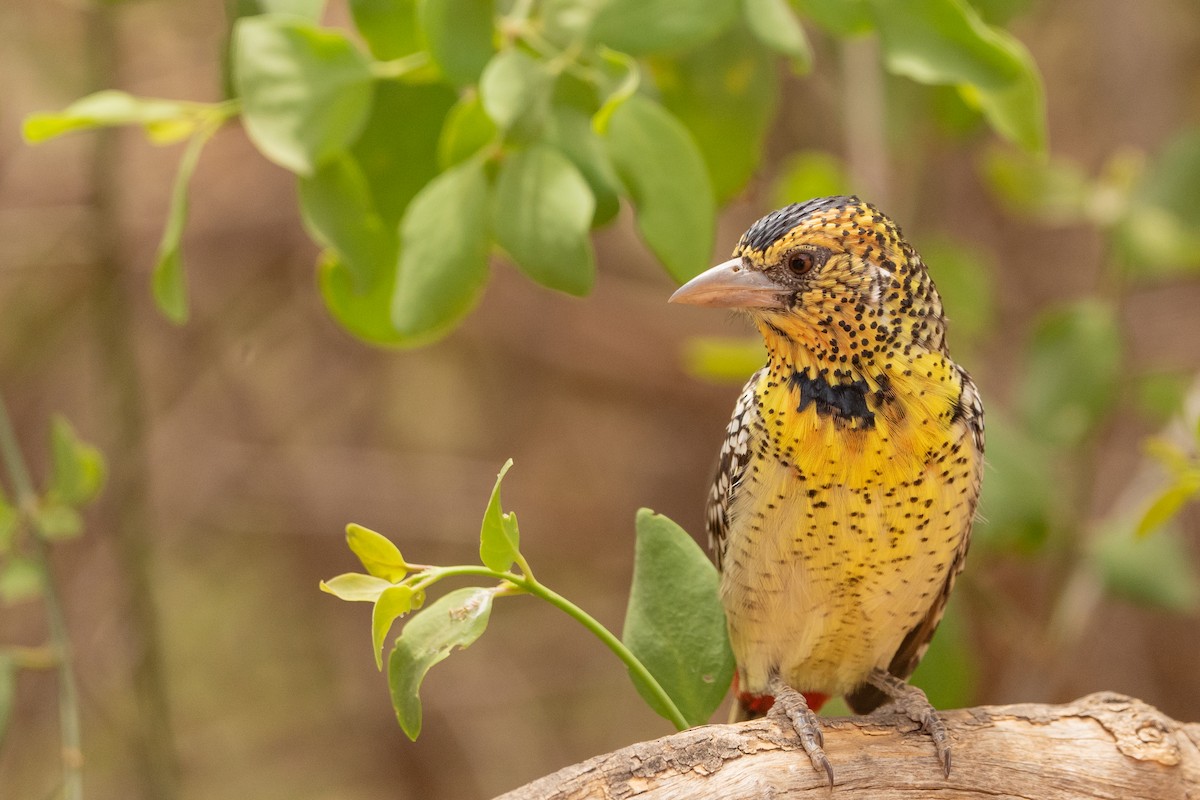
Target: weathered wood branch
x,y
1104,745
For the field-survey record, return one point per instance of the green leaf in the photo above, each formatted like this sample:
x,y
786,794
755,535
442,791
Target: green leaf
x,y
839,17
305,90
388,26
164,121
397,150
21,579
392,604
77,471
307,9
56,521
1072,372
1055,191
1161,233
8,692
570,130
657,160
456,620
964,280
169,281
723,360
356,587
443,253
1154,570
675,624
541,212
774,24
945,42
1167,505
458,34
808,174
499,538
468,129
339,212
1017,508
377,553
641,27
515,91
724,94
367,315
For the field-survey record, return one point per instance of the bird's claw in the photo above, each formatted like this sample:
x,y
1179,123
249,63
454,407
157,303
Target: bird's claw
x,y
912,703
791,705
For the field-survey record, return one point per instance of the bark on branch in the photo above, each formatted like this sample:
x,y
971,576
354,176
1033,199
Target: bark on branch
x,y
1104,745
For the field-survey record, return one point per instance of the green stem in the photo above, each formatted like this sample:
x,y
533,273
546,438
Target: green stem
x,y
398,68
56,621
531,586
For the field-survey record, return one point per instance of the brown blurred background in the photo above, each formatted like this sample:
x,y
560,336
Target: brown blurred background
x,y
241,444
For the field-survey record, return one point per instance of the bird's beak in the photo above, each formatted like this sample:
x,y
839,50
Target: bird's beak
x,y
730,285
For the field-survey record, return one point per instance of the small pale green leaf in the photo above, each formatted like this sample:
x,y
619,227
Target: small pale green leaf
x,y
774,24
724,94
339,212
169,280
367,315
467,130
388,26
946,42
570,130
808,174
1167,505
56,521
356,587
310,10
456,620
515,91
839,17
541,213
78,469
21,579
1055,191
443,253
377,553
499,538
1161,233
675,624
458,35
642,27
723,359
1072,372
305,90
1153,570
164,120
8,691
392,604
659,163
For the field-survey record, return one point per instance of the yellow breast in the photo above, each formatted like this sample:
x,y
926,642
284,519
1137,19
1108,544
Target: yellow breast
x,y
844,529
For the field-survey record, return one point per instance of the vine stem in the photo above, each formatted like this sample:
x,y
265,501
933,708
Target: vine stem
x,y
68,694
528,584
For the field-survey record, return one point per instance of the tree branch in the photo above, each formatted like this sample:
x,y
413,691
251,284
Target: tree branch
x,y
1105,745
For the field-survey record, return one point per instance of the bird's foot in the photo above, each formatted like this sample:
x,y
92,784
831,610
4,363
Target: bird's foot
x,y
912,703
791,704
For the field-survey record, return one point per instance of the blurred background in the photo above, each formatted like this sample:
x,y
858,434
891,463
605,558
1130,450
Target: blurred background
x,y
240,444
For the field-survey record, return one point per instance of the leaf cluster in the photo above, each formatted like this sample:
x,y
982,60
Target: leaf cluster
x,y
441,131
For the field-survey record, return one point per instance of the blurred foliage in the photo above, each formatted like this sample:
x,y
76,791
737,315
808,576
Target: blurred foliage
x,y
539,118
674,641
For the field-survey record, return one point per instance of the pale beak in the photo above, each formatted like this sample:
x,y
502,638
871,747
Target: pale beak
x,y
730,285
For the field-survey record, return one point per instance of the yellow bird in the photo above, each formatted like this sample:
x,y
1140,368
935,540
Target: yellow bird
x,y
849,476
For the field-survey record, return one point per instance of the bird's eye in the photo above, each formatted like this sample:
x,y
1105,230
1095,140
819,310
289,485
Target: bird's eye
x,y
802,262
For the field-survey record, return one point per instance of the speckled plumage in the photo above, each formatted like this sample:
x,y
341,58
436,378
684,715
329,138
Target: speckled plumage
x,y
850,472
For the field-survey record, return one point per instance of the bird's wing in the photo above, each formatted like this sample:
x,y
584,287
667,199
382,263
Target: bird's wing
x,y
912,649
731,468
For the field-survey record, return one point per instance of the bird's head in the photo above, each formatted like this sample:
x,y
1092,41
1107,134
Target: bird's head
x,y
833,275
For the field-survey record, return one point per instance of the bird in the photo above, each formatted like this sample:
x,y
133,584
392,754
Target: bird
x,y
849,477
